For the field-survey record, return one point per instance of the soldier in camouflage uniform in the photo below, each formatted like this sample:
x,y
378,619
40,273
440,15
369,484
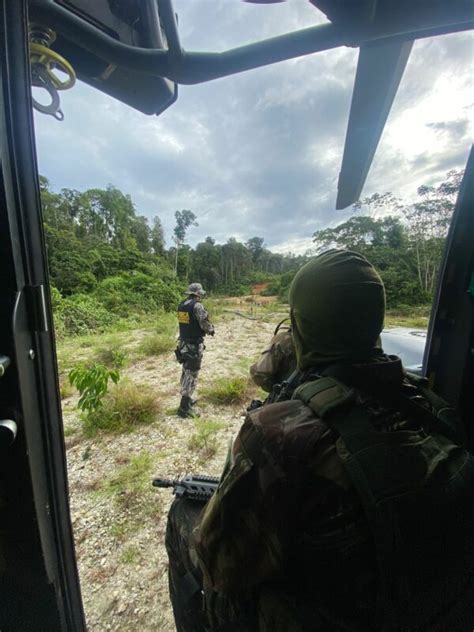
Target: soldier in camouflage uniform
x,y
277,362
347,507
194,324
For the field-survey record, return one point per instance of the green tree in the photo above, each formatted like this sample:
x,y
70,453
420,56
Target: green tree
x,y
205,265
428,222
255,245
140,231
157,237
184,219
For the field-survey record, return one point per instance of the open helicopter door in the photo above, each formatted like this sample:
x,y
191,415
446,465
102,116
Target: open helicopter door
x,y
449,353
39,585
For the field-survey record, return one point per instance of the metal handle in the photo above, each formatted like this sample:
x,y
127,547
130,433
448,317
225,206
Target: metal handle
x,y
8,430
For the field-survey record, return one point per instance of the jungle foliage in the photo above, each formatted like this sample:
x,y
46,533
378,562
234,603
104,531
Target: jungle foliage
x,y
107,262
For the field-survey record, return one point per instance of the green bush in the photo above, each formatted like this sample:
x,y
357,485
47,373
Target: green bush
x,y
235,289
135,292
284,285
272,289
92,383
126,407
227,390
80,314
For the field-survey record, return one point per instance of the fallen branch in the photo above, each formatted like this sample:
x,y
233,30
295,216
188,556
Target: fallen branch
x,y
237,313
264,317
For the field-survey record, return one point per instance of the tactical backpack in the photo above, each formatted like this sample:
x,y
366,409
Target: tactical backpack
x,y
417,491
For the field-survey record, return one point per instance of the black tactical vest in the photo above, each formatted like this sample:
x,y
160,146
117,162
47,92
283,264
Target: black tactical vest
x,y
189,328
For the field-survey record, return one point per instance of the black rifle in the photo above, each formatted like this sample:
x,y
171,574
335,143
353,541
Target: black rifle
x,y
194,486
280,392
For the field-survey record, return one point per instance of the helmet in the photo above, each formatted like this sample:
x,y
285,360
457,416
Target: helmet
x,y
196,288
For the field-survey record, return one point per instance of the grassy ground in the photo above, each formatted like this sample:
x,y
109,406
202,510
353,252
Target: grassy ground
x,y
417,317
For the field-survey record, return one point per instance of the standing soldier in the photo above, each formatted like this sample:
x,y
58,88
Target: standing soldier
x,y
194,324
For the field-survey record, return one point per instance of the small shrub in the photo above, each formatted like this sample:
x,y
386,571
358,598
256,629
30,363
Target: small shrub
x,y
131,555
204,440
92,384
136,292
228,390
126,407
119,530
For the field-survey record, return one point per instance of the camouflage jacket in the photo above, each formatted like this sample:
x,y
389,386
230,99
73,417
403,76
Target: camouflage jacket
x,y
286,521
202,317
276,363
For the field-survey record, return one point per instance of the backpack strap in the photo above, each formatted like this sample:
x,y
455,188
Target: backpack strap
x,y
409,483
324,395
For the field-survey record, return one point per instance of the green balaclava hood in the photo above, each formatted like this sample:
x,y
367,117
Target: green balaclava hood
x,y
337,303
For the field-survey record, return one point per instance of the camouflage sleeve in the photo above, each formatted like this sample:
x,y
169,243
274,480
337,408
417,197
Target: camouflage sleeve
x,y
235,539
275,363
203,318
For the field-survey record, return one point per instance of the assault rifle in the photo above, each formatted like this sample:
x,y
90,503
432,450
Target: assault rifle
x,y
280,392
194,486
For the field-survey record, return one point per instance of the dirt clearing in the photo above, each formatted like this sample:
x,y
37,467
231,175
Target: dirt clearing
x,y
119,519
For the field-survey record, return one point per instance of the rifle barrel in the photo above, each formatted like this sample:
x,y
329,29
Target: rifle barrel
x,y
165,482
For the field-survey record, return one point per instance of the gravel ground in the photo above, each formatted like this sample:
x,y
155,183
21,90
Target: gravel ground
x,y
120,534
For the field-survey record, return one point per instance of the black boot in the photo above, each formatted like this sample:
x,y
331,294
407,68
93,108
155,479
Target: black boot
x,y
185,407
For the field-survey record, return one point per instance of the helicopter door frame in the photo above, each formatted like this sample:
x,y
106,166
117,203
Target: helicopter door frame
x,y
39,578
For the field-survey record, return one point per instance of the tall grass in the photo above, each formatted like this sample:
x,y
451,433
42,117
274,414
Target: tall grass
x,y
156,344
126,407
233,390
163,337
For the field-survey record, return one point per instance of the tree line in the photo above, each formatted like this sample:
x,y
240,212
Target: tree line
x,y
97,234
100,249
405,242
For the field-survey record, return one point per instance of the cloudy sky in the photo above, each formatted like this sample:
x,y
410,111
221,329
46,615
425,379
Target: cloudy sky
x,y
259,153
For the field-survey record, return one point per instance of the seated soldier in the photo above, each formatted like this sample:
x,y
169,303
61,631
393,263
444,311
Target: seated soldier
x,y
347,507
